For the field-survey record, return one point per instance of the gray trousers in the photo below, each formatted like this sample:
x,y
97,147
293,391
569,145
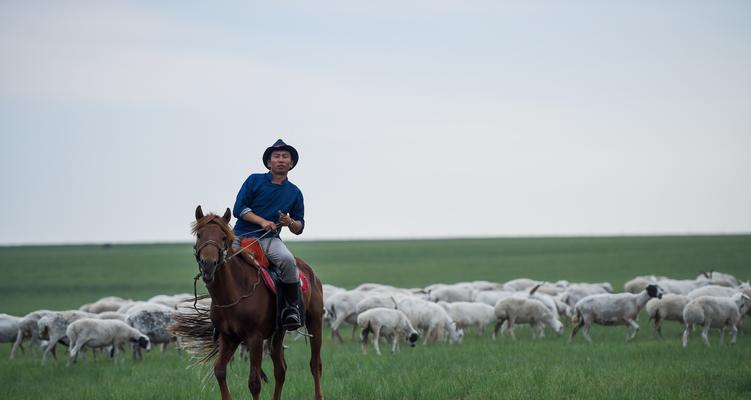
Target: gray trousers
x,y
278,253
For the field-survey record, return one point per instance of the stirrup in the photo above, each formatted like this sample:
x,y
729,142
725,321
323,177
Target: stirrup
x,y
291,320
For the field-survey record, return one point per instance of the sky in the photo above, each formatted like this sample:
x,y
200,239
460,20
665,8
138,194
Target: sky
x,y
413,119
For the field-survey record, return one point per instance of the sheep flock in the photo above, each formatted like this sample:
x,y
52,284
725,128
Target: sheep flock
x,y
433,315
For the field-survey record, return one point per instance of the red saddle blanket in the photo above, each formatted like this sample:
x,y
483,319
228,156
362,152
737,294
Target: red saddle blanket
x,y
255,248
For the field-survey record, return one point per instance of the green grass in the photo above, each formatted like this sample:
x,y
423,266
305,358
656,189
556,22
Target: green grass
x,y
65,277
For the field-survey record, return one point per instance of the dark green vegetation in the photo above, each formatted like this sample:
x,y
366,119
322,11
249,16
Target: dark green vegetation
x,y
66,277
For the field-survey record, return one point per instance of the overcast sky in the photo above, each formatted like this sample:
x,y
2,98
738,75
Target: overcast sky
x,y
413,119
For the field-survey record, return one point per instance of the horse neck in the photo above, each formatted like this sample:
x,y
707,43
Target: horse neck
x,y
234,279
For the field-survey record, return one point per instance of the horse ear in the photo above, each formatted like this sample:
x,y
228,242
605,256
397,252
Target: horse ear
x,y
199,213
227,215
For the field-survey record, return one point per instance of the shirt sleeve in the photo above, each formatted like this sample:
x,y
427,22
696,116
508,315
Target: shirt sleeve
x,y
244,199
298,211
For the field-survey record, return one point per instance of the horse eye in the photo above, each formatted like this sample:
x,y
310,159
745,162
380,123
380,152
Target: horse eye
x,y
198,236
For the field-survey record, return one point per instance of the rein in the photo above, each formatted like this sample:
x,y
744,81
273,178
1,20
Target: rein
x,y
224,259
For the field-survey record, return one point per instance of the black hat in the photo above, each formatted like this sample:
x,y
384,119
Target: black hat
x,y
280,145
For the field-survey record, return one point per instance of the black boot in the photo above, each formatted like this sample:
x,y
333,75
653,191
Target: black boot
x,y
293,309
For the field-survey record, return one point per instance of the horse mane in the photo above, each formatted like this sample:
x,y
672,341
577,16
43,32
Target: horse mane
x,y
209,218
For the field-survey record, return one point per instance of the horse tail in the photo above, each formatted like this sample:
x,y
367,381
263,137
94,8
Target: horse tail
x,y
197,333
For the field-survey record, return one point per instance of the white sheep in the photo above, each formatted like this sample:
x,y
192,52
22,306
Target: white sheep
x,y
719,278
431,319
714,312
28,330
524,310
611,309
491,297
576,292
383,300
516,285
668,308
9,328
387,322
99,333
52,327
466,314
342,308
452,293
638,284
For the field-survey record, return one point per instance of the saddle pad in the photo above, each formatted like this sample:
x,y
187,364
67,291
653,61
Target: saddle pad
x,y
255,247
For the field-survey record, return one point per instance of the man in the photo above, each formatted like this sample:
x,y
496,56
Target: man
x,y
266,203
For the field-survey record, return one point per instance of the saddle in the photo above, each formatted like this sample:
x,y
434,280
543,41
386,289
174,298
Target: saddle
x,y
271,276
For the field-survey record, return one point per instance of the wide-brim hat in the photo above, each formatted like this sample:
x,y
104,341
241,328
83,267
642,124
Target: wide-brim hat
x,y
280,145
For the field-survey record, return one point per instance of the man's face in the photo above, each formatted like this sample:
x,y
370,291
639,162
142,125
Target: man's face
x,y
280,161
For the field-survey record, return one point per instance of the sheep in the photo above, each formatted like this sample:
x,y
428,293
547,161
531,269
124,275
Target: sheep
x,y
714,312
576,292
431,319
99,333
384,300
638,284
152,322
680,286
718,278
525,310
611,309
28,330
52,328
491,297
668,308
110,303
385,321
170,301
9,328
467,314
717,291
341,308
519,284
452,293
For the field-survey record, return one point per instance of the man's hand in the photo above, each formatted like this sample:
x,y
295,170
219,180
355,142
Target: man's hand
x,y
268,225
285,219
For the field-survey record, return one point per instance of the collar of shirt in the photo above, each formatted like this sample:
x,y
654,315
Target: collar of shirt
x,y
270,177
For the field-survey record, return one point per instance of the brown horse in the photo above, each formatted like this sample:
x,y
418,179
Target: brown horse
x,y
244,310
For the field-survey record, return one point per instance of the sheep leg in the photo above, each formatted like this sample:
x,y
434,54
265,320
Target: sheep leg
x,y
50,348
498,326
394,343
658,326
510,328
280,365
354,328
686,331
635,328
585,331
364,340
722,336
705,332
428,334
376,339
734,333
17,344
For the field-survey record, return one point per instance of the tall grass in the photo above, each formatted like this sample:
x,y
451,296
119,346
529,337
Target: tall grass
x,y
66,277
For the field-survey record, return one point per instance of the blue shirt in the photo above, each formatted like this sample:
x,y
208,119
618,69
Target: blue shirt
x,y
265,199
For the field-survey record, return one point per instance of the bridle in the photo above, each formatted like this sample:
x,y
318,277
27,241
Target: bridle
x,y
222,253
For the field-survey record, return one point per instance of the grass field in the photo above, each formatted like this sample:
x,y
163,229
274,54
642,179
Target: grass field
x,y
65,277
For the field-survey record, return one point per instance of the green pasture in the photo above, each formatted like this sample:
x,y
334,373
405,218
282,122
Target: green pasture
x,y
64,277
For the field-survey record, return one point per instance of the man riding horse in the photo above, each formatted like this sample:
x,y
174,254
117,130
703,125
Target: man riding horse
x,y
265,203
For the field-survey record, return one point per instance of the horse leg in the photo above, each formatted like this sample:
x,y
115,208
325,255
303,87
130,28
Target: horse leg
x,y
315,328
280,365
255,347
227,349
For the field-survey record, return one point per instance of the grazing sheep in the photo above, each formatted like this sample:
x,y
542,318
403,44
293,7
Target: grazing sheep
x,y
385,321
680,286
152,323
611,309
516,285
431,319
638,284
52,328
98,333
9,328
714,312
491,297
525,310
668,308
28,330
341,308
466,314
383,300
452,293
718,278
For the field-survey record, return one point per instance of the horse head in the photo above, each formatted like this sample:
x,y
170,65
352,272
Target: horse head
x,y
213,240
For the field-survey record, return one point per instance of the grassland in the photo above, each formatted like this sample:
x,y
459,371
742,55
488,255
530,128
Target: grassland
x,y
65,277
